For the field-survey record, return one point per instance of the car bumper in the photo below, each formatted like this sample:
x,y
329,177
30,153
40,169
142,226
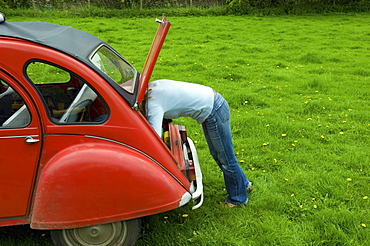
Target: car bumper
x,y
196,188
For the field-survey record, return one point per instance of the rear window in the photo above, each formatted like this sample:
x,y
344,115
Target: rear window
x,y
115,67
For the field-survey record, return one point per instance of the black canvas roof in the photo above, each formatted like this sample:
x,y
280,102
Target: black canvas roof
x,y
66,39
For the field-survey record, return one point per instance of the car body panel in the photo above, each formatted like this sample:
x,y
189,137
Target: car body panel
x,y
152,56
69,174
133,124
80,182
19,161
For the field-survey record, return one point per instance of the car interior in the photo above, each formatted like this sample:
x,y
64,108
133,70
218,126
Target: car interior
x,y
67,97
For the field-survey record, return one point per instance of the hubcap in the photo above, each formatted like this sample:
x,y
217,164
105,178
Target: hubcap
x,y
102,235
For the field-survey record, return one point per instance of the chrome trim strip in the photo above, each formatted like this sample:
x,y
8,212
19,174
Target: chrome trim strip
x,y
10,137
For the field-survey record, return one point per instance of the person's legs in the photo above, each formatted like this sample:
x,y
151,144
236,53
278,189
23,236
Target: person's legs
x,y
218,135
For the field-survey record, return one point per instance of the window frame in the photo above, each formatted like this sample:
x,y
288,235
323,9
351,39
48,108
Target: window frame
x,y
19,111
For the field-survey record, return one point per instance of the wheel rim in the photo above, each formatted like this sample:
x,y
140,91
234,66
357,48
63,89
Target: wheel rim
x,y
102,235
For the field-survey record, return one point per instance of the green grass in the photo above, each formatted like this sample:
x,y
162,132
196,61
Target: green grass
x,y
298,91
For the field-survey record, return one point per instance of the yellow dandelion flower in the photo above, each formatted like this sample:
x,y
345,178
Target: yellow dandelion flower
x,y
286,179
241,161
300,206
185,215
314,206
283,135
341,133
322,136
291,195
252,168
313,199
349,179
365,197
363,225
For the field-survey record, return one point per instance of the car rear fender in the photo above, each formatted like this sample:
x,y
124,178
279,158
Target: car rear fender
x,y
89,184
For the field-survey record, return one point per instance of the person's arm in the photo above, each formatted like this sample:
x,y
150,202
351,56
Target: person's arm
x,y
155,118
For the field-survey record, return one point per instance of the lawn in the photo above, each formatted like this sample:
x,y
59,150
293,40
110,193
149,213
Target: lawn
x,y
298,91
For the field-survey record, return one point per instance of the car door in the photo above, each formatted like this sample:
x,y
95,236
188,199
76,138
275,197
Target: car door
x,y
20,147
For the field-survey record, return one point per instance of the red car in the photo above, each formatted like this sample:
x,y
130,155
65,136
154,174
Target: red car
x,y
78,158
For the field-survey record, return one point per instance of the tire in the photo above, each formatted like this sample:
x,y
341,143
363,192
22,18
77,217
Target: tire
x,y
122,233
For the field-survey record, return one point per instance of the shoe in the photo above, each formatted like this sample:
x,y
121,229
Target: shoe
x,y
250,187
228,205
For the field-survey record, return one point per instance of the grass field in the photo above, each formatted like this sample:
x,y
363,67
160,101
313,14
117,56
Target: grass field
x,y
298,88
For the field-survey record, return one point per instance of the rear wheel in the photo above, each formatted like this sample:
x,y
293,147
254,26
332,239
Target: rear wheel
x,y
122,233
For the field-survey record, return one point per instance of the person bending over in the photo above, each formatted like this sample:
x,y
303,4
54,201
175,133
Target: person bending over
x,y
169,99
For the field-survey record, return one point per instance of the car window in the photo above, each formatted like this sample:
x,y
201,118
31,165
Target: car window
x,y
41,73
13,110
68,98
115,67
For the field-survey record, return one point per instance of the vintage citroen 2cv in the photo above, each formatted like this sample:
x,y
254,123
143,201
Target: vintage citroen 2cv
x,y
78,158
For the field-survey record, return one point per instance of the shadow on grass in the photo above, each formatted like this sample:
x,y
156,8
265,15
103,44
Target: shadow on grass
x,y
23,235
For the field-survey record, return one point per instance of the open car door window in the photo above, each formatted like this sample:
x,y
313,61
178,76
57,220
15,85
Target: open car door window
x,y
152,56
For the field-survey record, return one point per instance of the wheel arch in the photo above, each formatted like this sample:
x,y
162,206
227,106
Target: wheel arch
x,y
88,184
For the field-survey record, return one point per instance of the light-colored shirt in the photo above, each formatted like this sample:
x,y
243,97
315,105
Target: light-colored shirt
x,y
171,99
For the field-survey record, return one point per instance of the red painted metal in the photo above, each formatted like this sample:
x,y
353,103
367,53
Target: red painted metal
x,y
152,56
18,163
84,174
98,182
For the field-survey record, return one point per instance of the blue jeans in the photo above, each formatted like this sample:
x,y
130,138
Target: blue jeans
x,y
218,135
